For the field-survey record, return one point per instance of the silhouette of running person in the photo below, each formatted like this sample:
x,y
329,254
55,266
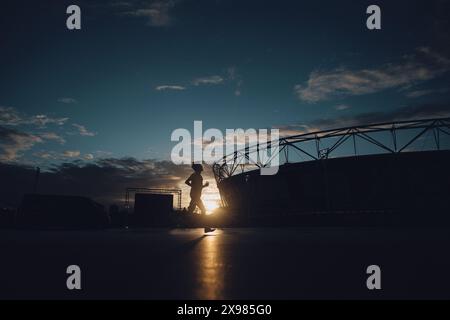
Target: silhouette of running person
x,y
195,181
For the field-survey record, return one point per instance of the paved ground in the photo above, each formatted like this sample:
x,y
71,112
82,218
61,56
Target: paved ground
x,y
258,263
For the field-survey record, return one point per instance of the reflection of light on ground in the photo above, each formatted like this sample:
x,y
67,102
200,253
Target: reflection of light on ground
x,y
211,268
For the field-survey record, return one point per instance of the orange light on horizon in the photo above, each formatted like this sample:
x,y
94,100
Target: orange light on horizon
x,y
211,205
210,197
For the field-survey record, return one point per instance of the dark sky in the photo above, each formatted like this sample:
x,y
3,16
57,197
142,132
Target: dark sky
x,y
137,70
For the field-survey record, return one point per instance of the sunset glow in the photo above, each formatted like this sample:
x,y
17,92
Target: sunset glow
x,y
210,196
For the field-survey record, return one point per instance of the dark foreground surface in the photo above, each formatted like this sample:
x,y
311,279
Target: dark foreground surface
x,y
254,263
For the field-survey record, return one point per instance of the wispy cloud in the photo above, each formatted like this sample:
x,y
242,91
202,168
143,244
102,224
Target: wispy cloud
x,y
170,87
43,120
13,142
425,111
71,153
423,65
52,136
67,100
83,131
158,12
234,76
210,80
46,155
103,154
420,93
341,107
11,117
121,4
88,156
63,156
229,76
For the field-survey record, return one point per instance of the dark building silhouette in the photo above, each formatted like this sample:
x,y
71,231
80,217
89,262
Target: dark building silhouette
x,y
118,216
152,209
58,211
7,216
416,184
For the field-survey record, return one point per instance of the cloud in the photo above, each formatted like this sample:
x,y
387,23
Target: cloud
x,y
11,117
47,155
13,142
231,76
82,131
71,154
42,120
67,100
211,80
52,136
103,154
170,87
295,129
420,93
421,66
341,107
425,111
104,180
232,73
234,76
157,12
121,4
88,156
63,156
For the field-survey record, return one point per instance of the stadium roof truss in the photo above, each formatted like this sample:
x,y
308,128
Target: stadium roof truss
x,y
327,142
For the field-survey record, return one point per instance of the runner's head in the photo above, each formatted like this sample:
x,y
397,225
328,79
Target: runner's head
x,y
197,167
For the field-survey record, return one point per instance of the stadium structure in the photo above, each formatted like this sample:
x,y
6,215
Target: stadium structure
x,y
392,171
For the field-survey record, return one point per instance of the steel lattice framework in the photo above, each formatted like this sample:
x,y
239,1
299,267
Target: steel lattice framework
x,y
229,164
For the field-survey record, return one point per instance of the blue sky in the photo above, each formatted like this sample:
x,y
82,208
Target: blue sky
x,y
137,70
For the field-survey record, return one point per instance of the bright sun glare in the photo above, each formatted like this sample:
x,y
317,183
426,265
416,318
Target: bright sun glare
x,y
210,197
210,205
